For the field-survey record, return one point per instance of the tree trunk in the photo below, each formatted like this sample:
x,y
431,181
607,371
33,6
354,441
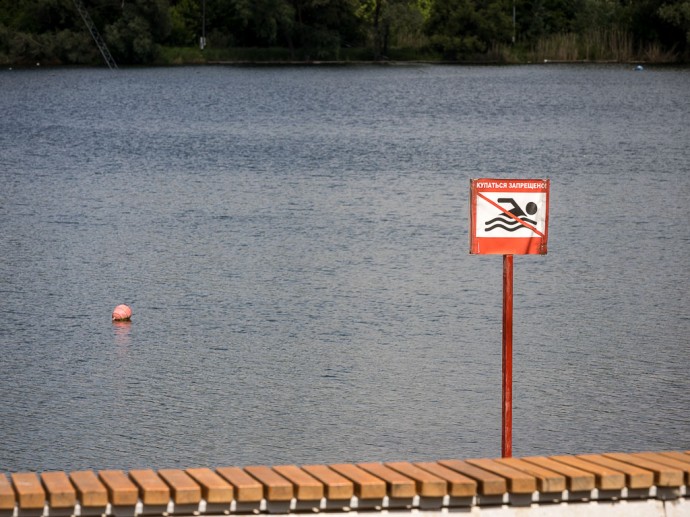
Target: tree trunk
x,y
377,30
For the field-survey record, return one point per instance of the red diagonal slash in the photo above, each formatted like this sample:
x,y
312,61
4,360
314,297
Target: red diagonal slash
x,y
512,216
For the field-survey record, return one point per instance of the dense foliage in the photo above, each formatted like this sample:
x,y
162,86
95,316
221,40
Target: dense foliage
x,y
136,31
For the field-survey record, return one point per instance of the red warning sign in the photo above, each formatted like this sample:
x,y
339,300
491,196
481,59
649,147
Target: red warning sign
x,y
509,216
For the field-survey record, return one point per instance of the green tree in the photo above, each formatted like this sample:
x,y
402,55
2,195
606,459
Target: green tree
x,y
75,47
40,16
322,27
465,27
265,22
185,22
657,22
404,21
394,23
538,18
48,31
135,36
677,14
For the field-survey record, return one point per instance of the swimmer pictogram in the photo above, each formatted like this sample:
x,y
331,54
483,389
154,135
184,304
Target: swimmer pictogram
x,y
505,222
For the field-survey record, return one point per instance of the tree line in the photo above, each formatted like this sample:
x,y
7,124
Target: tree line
x,y
151,31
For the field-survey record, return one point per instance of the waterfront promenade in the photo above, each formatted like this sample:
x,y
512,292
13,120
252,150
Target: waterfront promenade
x,y
644,484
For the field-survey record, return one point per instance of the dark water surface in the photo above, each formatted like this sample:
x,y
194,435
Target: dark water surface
x,y
293,243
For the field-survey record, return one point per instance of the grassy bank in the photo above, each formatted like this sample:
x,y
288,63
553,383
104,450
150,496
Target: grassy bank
x,y
595,46
187,55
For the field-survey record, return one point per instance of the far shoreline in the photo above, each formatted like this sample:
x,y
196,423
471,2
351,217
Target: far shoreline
x,y
349,63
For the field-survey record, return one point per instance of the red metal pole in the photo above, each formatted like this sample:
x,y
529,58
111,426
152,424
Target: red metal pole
x,y
507,434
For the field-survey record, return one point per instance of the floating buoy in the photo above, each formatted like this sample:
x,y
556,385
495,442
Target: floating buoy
x,y
639,68
122,313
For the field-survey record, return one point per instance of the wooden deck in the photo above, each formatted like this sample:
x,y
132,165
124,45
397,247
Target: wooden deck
x,y
470,485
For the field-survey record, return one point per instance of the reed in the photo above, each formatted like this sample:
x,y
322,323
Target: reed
x,y
556,47
597,45
606,45
653,53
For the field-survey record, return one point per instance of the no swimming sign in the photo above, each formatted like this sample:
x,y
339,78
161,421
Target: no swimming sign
x,y
509,216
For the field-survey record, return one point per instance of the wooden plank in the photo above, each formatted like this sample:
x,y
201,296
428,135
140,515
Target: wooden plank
x,y
121,490
7,497
306,487
578,480
367,486
548,481
246,488
426,483
183,488
337,487
668,461
214,488
519,482
90,491
663,475
61,493
397,485
30,493
458,485
635,477
152,489
488,482
605,477
677,455
276,487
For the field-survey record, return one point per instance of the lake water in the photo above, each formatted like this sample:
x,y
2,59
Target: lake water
x,y
294,245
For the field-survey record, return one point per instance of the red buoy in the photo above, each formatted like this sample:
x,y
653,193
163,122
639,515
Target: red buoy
x,y
122,313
